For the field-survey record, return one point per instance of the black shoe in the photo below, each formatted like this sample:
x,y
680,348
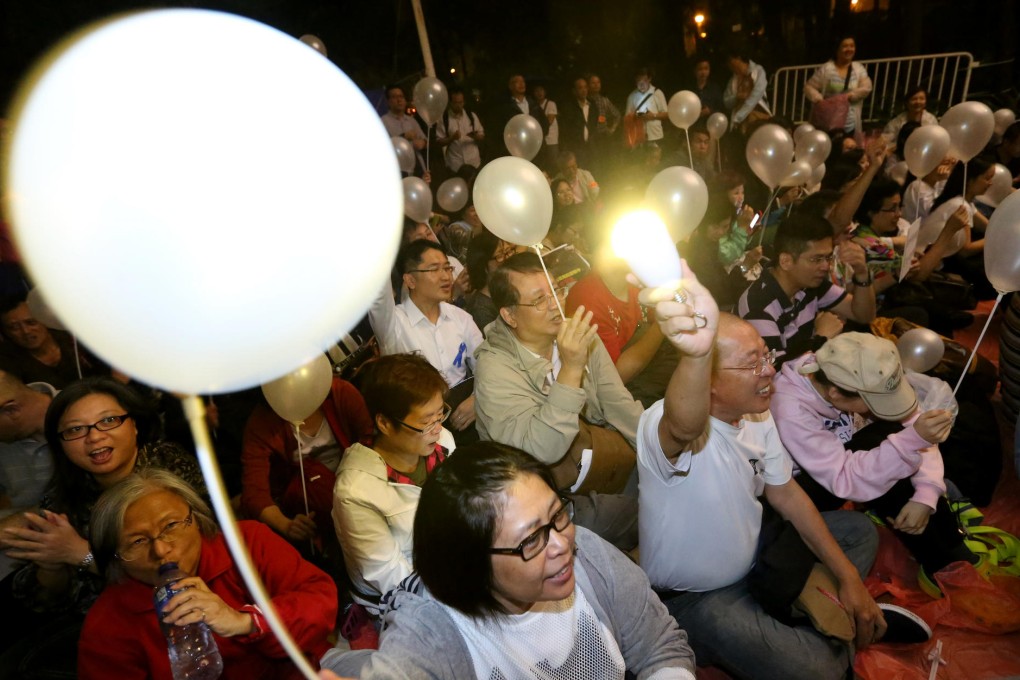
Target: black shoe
x,y
903,625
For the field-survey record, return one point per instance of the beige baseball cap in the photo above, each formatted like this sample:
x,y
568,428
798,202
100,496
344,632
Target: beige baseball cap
x,y
870,366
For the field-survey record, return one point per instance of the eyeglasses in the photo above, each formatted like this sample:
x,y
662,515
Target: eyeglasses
x,y
818,259
447,410
448,269
894,209
758,367
545,303
532,546
140,547
105,425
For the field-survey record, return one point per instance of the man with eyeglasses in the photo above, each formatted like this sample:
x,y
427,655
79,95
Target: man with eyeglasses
x,y
794,305
731,567
427,323
547,385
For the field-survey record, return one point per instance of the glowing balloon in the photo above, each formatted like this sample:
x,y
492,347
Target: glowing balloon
x,y
970,126
798,174
452,194
298,394
1003,119
802,130
169,227
430,99
1000,188
684,109
315,43
926,147
717,125
898,172
523,136
681,197
769,152
1002,245
406,157
640,238
417,199
816,175
814,147
513,200
920,349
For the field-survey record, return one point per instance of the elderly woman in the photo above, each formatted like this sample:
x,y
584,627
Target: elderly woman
x,y
841,77
152,518
513,589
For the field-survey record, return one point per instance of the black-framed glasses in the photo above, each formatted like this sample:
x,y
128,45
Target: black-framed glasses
x,y
532,546
758,367
447,410
103,425
446,269
140,547
546,303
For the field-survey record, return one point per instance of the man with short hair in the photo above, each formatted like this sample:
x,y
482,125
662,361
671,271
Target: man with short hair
x,y
459,131
399,124
606,118
577,119
648,104
794,305
426,322
517,102
547,385
706,453
582,183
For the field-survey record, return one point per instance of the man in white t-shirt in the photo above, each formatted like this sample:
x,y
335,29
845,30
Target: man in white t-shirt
x,y
459,131
648,103
705,455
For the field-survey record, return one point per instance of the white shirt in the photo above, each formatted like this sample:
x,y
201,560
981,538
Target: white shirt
x,y
655,104
396,126
553,137
699,518
918,197
584,111
449,344
462,151
935,222
522,104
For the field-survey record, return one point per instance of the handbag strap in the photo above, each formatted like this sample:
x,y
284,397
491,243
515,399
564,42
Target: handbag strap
x,y
849,72
642,102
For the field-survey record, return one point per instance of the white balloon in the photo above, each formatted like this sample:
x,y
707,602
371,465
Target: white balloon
x,y
513,200
769,152
430,99
1002,245
300,393
816,175
680,196
452,194
926,148
523,136
683,109
802,130
1001,187
406,157
641,239
417,199
41,311
970,125
171,224
920,349
798,174
813,146
717,125
1003,119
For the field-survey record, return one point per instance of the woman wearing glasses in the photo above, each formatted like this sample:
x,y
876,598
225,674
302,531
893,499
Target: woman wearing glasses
x,y
377,488
152,518
513,589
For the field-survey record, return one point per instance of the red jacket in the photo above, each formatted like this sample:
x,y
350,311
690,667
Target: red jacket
x,y
121,637
267,453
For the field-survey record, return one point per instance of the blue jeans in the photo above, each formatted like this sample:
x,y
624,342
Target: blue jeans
x,y
729,629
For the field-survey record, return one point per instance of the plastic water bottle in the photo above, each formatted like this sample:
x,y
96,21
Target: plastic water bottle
x,y
193,651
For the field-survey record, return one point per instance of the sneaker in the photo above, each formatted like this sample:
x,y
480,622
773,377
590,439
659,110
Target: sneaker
x,y
819,601
904,626
927,584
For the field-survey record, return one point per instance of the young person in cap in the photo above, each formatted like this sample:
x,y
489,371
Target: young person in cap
x,y
849,416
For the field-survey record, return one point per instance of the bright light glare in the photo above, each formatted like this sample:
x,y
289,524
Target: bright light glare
x,y
514,198
640,238
453,70
699,19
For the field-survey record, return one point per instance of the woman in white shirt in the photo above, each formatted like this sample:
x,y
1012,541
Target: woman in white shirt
x,y
842,76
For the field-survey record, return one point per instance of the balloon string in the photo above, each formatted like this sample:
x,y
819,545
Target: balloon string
x,y
301,468
552,286
764,219
194,410
966,366
77,358
690,151
428,140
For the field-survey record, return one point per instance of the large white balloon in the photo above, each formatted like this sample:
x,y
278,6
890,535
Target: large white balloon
x,y
298,394
1000,188
430,99
523,136
680,196
813,146
921,349
717,125
452,194
970,126
926,147
1002,245
406,157
683,109
802,130
1003,119
798,174
513,200
769,152
183,210
417,199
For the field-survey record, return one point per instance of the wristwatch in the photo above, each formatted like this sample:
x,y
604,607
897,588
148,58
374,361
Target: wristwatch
x,y
86,562
862,284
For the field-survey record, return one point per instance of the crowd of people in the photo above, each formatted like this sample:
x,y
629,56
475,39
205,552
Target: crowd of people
x,y
545,473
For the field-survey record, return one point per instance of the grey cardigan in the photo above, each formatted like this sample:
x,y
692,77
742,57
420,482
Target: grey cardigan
x,y
421,640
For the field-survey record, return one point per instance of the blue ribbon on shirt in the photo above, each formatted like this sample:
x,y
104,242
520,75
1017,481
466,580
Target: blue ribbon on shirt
x,y
458,361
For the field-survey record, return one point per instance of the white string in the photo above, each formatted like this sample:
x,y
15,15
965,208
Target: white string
x,y
77,359
301,468
194,410
690,151
981,337
552,284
